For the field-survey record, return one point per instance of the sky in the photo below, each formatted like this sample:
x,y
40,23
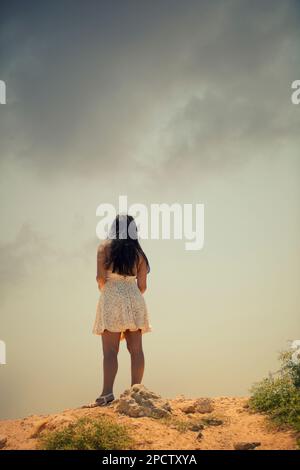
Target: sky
x,y
165,101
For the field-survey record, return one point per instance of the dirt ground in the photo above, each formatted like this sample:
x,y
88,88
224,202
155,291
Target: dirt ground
x,y
236,423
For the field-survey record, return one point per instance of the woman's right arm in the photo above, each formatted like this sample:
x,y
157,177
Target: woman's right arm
x,y
142,275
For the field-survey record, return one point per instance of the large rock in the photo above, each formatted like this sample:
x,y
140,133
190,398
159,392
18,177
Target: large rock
x,y
138,401
38,428
201,405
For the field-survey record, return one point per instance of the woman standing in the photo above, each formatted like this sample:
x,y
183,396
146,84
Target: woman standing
x,y
122,269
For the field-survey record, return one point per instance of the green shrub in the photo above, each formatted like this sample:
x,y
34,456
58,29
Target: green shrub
x,y
87,434
292,369
279,396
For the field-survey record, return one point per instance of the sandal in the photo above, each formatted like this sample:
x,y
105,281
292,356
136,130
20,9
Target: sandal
x,y
103,400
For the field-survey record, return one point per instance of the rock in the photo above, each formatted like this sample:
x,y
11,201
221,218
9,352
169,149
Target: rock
x,y
212,421
50,424
199,436
196,427
188,408
201,405
138,401
3,441
246,445
38,428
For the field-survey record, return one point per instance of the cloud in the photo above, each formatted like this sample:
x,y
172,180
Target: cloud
x,y
31,253
100,89
20,257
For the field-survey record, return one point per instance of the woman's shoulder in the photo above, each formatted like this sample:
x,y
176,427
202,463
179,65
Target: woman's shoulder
x,y
103,246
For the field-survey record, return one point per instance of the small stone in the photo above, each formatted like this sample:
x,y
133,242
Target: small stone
x,y
3,441
204,405
246,445
201,405
199,436
188,409
196,427
213,422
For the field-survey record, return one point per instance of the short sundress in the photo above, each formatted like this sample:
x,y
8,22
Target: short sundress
x,y
121,306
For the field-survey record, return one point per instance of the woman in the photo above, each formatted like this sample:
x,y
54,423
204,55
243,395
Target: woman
x,y
122,269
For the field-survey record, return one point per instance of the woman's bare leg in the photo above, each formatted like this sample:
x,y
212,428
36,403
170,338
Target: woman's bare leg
x,y
134,346
110,345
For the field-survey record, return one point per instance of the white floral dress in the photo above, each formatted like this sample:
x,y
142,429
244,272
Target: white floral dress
x,y
121,306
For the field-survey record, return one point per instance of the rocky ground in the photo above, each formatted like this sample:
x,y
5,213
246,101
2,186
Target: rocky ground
x,y
169,424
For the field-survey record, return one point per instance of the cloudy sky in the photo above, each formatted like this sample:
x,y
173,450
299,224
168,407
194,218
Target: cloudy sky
x,y
165,101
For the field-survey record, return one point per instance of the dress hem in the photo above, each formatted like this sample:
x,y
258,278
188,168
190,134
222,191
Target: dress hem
x,y
143,330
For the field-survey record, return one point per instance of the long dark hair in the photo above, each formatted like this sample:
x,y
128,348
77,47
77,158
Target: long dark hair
x,y
125,248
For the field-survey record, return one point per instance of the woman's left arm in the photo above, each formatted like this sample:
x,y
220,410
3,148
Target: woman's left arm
x,y
101,269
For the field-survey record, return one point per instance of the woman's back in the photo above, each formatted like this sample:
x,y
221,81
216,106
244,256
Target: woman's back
x,y
105,266
121,305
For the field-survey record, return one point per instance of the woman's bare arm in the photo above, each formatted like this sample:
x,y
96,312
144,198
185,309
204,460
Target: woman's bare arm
x,y
142,275
101,268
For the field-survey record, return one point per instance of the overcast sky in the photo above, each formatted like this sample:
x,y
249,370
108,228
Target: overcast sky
x,y
165,101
